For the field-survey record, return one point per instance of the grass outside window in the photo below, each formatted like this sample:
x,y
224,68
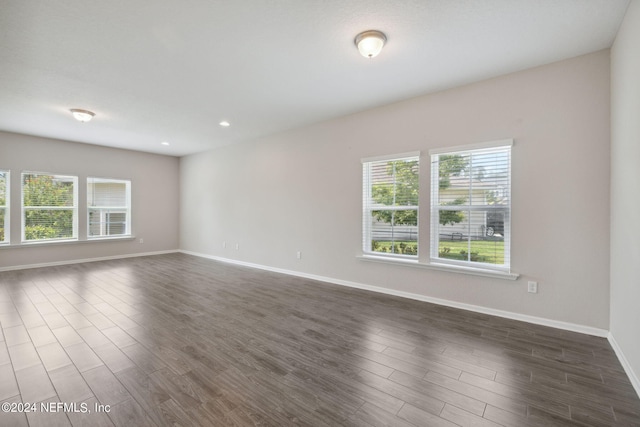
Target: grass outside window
x,y
487,251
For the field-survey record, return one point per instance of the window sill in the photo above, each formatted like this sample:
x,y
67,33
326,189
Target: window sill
x,y
65,242
102,239
441,267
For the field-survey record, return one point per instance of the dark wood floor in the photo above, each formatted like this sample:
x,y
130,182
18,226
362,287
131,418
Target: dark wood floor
x,y
180,340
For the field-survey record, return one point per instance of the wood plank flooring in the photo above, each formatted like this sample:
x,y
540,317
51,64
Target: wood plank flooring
x,y
179,340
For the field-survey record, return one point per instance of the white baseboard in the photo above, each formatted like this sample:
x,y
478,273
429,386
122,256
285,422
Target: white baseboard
x,y
469,307
83,260
635,382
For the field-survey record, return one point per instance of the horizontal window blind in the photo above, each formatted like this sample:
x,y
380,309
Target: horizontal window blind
x,y
4,206
49,206
109,207
390,206
471,207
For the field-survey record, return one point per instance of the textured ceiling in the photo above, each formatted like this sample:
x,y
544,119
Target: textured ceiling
x,y
167,70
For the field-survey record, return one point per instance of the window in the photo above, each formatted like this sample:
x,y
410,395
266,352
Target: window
x,y
390,205
49,207
109,207
4,206
471,205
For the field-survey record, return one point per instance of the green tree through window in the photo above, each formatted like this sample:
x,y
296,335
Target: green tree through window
x,y
470,205
401,189
49,206
451,165
404,190
390,216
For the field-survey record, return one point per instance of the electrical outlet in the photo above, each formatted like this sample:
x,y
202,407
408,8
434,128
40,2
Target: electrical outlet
x,y
237,246
532,287
299,255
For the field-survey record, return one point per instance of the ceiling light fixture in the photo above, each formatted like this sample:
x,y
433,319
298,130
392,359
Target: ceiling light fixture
x,y
225,124
82,115
164,143
370,43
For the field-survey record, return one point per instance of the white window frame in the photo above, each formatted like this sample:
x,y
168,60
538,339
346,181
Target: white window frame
x,y
6,208
436,209
368,207
73,208
107,210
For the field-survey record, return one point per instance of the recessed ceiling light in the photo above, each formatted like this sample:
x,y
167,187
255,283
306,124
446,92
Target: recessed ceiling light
x,y
82,115
164,143
225,124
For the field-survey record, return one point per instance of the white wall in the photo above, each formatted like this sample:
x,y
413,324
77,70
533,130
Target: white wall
x,y
625,193
154,187
301,190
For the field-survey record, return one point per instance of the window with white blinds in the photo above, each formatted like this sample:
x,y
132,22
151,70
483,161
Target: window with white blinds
x,y
49,207
390,205
4,206
471,205
109,207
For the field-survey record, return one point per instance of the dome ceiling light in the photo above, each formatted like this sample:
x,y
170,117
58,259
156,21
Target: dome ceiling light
x,y
370,43
82,115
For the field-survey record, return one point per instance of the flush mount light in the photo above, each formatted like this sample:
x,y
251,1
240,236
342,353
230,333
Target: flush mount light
x,y
164,143
370,43
225,124
82,115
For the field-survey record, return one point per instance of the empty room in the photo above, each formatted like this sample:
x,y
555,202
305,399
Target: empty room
x,y
320,213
